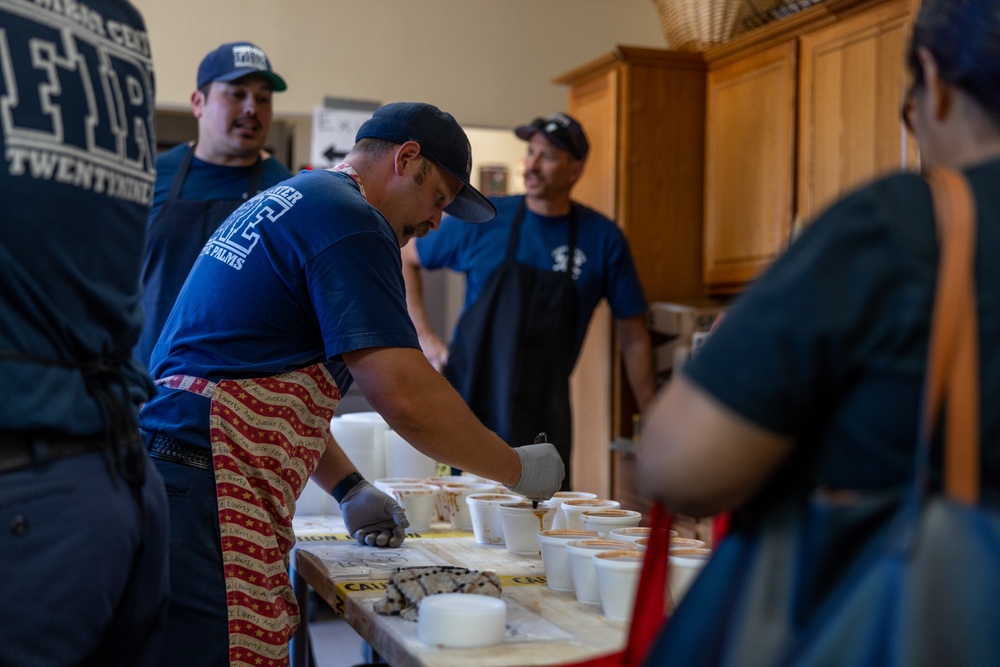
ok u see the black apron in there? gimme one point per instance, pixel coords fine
(175, 238)
(513, 349)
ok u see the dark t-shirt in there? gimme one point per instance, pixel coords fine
(829, 346)
(296, 276)
(209, 182)
(77, 141)
(602, 264)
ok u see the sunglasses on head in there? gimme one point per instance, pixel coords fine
(559, 128)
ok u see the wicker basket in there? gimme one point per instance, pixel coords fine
(697, 25)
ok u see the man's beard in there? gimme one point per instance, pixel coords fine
(418, 231)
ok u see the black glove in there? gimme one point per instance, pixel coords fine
(372, 517)
(542, 471)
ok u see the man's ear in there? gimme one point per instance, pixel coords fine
(406, 155)
(197, 103)
(938, 93)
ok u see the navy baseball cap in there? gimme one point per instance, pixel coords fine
(234, 60)
(561, 130)
(442, 140)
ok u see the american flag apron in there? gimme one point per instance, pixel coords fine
(267, 437)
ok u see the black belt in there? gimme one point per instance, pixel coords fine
(165, 448)
(21, 450)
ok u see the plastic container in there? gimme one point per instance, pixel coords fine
(461, 620)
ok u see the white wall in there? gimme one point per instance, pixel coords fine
(488, 62)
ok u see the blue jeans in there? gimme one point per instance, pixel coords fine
(83, 567)
(198, 621)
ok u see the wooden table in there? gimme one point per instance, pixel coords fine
(544, 627)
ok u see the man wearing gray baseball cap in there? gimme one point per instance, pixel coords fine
(296, 296)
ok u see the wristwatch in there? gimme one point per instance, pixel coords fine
(345, 485)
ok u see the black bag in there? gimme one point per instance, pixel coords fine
(905, 578)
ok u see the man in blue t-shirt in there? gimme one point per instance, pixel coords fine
(199, 184)
(297, 295)
(533, 279)
(83, 567)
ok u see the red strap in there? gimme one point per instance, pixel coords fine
(650, 611)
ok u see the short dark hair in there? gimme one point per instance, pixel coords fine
(964, 37)
(374, 147)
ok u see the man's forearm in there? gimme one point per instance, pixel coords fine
(637, 353)
(427, 412)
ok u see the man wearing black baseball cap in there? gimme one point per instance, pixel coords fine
(533, 278)
(442, 141)
(297, 295)
(198, 184)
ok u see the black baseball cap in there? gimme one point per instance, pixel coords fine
(237, 59)
(561, 130)
(442, 140)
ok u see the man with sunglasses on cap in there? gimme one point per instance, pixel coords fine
(198, 184)
(297, 295)
(533, 279)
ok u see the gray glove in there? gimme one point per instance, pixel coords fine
(372, 517)
(542, 471)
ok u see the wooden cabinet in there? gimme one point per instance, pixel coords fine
(749, 159)
(798, 113)
(709, 162)
(853, 77)
(643, 111)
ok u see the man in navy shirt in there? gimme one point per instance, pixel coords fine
(295, 297)
(199, 184)
(533, 279)
(83, 578)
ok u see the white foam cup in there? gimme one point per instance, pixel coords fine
(630, 535)
(487, 528)
(554, 556)
(573, 507)
(559, 497)
(417, 500)
(522, 522)
(617, 581)
(603, 520)
(453, 497)
(581, 566)
(685, 566)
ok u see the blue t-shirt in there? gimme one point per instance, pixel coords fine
(829, 346)
(209, 182)
(78, 147)
(298, 275)
(602, 267)
(209, 194)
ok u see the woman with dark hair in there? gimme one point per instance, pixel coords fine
(813, 383)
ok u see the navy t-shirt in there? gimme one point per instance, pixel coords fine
(602, 267)
(298, 275)
(78, 148)
(830, 344)
(209, 182)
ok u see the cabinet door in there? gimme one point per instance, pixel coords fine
(749, 154)
(852, 78)
(595, 104)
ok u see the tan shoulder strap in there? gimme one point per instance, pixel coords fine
(953, 363)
